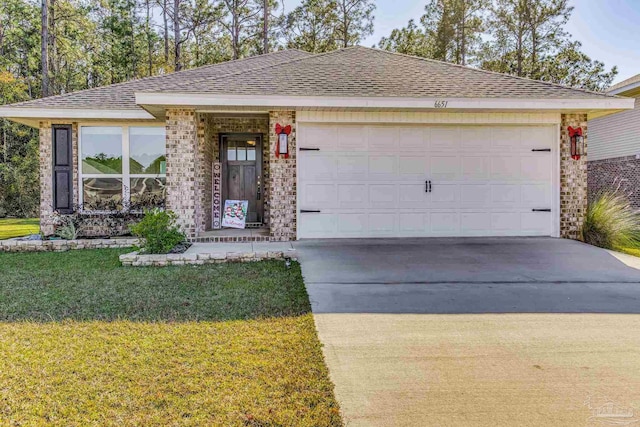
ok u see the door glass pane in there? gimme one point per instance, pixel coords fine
(147, 150)
(242, 154)
(102, 194)
(251, 153)
(101, 149)
(231, 150)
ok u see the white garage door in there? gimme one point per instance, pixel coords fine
(398, 181)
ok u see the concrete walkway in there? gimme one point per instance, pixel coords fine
(213, 248)
(475, 332)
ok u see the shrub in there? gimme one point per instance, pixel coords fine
(611, 222)
(159, 231)
(67, 229)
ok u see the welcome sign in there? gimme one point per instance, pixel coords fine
(235, 213)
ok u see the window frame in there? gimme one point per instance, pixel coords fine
(125, 176)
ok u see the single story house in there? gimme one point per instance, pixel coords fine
(379, 144)
(614, 147)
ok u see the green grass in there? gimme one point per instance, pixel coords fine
(17, 227)
(84, 341)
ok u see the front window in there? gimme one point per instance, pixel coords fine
(122, 166)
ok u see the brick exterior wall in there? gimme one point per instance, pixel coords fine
(184, 195)
(220, 124)
(283, 203)
(620, 174)
(193, 144)
(46, 173)
(573, 180)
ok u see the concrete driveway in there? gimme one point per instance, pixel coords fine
(467, 275)
(478, 332)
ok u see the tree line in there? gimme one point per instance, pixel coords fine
(49, 47)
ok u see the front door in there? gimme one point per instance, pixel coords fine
(242, 171)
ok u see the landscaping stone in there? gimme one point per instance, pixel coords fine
(18, 245)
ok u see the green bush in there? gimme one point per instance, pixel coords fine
(159, 230)
(611, 222)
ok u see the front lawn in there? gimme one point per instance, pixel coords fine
(84, 341)
(18, 227)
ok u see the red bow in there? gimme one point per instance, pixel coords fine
(574, 131)
(280, 129)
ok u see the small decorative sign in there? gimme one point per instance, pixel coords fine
(235, 213)
(217, 195)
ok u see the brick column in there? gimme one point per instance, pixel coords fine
(46, 179)
(182, 167)
(282, 182)
(573, 180)
(46, 173)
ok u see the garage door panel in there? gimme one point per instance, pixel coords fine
(382, 195)
(352, 196)
(444, 195)
(353, 166)
(323, 137)
(318, 225)
(383, 139)
(315, 195)
(352, 223)
(475, 223)
(505, 139)
(416, 223)
(475, 167)
(506, 222)
(383, 166)
(413, 165)
(475, 139)
(445, 223)
(445, 139)
(413, 139)
(412, 193)
(536, 138)
(352, 138)
(505, 194)
(384, 223)
(485, 181)
(536, 168)
(536, 196)
(506, 168)
(474, 195)
(318, 167)
(444, 167)
(536, 223)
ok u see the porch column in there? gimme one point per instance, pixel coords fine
(282, 176)
(573, 180)
(182, 166)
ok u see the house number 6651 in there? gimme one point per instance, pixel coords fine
(440, 104)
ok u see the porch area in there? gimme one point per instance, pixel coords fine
(218, 156)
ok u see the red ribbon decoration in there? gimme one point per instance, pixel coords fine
(573, 132)
(280, 130)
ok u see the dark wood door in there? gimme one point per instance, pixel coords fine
(242, 171)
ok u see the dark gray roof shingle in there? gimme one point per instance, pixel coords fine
(121, 96)
(367, 72)
(356, 71)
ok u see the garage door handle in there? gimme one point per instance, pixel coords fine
(309, 149)
(427, 186)
(541, 210)
(309, 211)
(542, 149)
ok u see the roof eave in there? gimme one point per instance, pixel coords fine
(626, 89)
(25, 114)
(150, 99)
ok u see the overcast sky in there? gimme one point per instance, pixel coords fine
(608, 29)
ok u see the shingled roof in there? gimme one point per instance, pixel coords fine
(121, 96)
(351, 72)
(368, 72)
